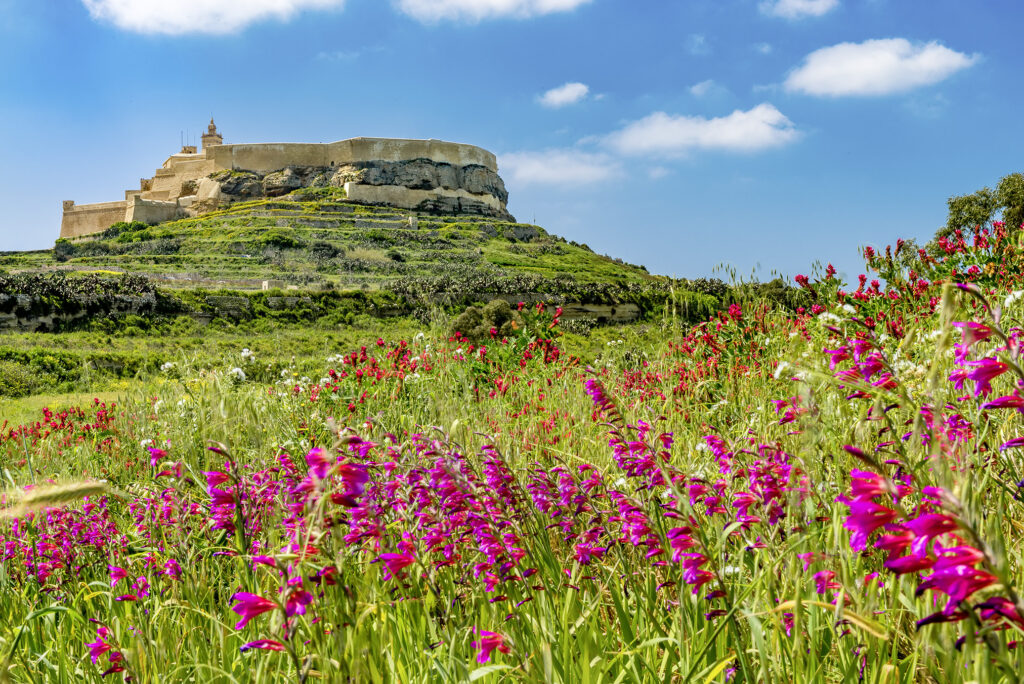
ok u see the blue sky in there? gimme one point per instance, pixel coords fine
(758, 134)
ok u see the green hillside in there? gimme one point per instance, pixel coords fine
(315, 239)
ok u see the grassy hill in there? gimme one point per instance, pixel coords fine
(314, 239)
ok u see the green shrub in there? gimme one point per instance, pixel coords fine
(280, 239)
(17, 380)
(476, 323)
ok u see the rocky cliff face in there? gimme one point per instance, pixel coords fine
(464, 182)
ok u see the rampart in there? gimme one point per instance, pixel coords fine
(425, 175)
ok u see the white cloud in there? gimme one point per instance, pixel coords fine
(697, 45)
(476, 10)
(703, 88)
(658, 172)
(875, 67)
(176, 17)
(567, 167)
(662, 134)
(797, 9)
(763, 48)
(564, 95)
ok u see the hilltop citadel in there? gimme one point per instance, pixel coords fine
(429, 176)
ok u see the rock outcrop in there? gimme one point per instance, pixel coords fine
(471, 189)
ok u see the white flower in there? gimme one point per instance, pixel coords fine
(157, 405)
(1012, 298)
(781, 369)
(829, 317)
(167, 366)
(238, 374)
(145, 442)
(848, 309)
(248, 355)
(420, 336)
(412, 377)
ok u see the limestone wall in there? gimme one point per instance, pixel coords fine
(151, 211)
(90, 218)
(176, 172)
(265, 157)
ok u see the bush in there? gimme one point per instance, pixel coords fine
(477, 324)
(280, 239)
(17, 380)
(123, 228)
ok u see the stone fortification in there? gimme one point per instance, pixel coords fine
(421, 175)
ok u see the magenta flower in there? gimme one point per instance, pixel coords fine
(100, 646)
(319, 462)
(116, 574)
(958, 582)
(865, 517)
(172, 569)
(865, 485)
(298, 598)
(1014, 401)
(265, 644)
(972, 333)
(215, 477)
(394, 563)
(220, 497)
(250, 606)
(598, 395)
(985, 371)
(912, 563)
(489, 642)
(354, 478)
(156, 455)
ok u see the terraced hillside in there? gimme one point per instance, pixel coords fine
(314, 239)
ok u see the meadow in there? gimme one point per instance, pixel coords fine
(828, 492)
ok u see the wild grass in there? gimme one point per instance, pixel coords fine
(652, 504)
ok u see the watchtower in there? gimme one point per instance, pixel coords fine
(212, 137)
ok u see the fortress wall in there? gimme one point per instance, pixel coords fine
(167, 182)
(151, 211)
(265, 157)
(407, 198)
(391, 150)
(90, 218)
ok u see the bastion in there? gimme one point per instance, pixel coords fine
(429, 176)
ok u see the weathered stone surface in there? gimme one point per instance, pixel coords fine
(456, 186)
(481, 180)
(281, 182)
(245, 185)
(521, 233)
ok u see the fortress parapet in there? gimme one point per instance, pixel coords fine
(419, 175)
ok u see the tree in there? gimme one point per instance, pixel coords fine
(977, 209)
